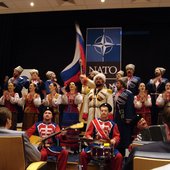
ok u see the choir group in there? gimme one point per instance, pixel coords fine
(44, 107)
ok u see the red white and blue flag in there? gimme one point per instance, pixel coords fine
(78, 66)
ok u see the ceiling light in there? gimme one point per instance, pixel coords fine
(102, 1)
(31, 4)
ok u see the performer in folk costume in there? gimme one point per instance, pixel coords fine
(156, 86)
(18, 80)
(51, 147)
(119, 74)
(162, 100)
(51, 78)
(53, 100)
(10, 100)
(87, 85)
(40, 86)
(142, 103)
(140, 125)
(102, 130)
(96, 97)
(124, 114)
(133, 81)
(30, 103)
(71, 99)
(88, 82)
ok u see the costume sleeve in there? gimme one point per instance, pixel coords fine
(88, 82)
(37, 101)
(160, 101)
(57, 129)
(56, 100)
(78, 99)
(64, 99)
(89, 132)
(116, 134)
(14, 99)
(149, 86)
(86, 103)
(2, 100)
(110, 101)
(130, 112)
(31, 130)
(21, 101)
(45, 101)
(148, 102)
(137, 103)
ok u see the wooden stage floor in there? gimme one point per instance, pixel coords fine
(72, 163)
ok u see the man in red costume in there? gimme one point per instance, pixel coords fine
(51, 148)
(103, 129)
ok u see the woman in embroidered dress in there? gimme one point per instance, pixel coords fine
(71, 99)
(30, 102)
(142, 103)
(162, 100)
(53, 100)
(10, 99)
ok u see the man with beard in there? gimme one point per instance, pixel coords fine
(51, 78)
(133, 81)
(156, 86)
(44, 129)
(87, 84)
(124, 114)
(95, 98)
(18, 80)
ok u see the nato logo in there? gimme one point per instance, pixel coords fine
(103, 44)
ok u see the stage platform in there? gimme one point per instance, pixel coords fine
(72, 163)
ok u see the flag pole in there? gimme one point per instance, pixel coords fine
(81, 69)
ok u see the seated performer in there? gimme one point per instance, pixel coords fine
(102, 129)
(51, 147)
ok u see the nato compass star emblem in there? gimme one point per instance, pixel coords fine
(103, 45)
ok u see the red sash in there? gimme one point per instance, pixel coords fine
(99, 129)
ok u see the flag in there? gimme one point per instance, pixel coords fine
(78, 65)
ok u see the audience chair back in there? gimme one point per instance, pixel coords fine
(158, 132)
(12, 152)
(150, 160)
(154, 133)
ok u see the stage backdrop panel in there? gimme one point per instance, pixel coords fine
(104, 51)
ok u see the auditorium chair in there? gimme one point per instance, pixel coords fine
(149, 160)
(12, 156)
(152, 134)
